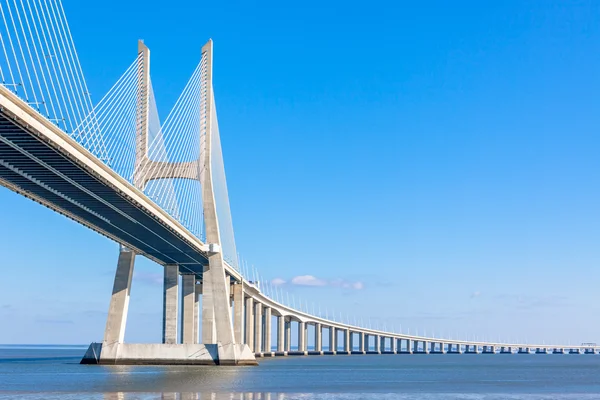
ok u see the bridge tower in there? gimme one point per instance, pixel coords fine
(217, 340)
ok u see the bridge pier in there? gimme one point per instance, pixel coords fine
(258, 319)
(268, 351)
(361, 342)
(541, 350)
(189, 312)
(523, 350)
(558, 351)
(454, 348)
(332, 341)
(574, 351)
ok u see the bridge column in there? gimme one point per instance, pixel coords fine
(361, 342)
(250, 323)
(198, 289)
(332, 340)
(318, 338)
(280, 334)
(238, 312)
(378, 344)
(189, 320)
(267, 332)
(170, 304)
(302, 337)
(347, 341)
(288, 335)
(408, 347)
(209, 334)
(119, 302)
(258, 324)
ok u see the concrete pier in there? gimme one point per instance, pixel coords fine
(454, 348)
(361, 342)
(523, 350)
(575, 351)
(238, 312)
(558, 351)
(280, 335)
(347, 349)
(189, 320)
(119, 301)
(318, 339)
(332, 341)
(267, 350)
(302, 338)
(541, 350)
(288, 336)
(258, 325)
(170, 304)
(250, 323)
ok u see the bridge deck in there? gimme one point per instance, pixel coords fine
(38, 168)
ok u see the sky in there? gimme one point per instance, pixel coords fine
(426, 166)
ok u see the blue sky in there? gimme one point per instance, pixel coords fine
(440, 158)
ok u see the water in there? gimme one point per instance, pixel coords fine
(51, 372)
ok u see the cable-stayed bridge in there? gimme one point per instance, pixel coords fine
(158, 188)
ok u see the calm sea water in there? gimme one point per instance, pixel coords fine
(50, 372)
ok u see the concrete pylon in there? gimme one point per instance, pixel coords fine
(219, 343)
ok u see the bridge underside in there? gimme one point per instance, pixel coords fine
(37, 169)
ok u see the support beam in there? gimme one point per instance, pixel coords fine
(188, 320)
(119, 302)
(170, 304)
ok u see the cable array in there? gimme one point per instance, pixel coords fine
(172, 169)
(39, 62)
(114, 117)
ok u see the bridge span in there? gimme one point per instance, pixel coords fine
(158, 189)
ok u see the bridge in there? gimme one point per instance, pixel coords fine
(159, 190)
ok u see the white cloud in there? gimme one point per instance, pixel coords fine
(277, 282)
(308, 280)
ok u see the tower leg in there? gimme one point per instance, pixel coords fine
(119, 301)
